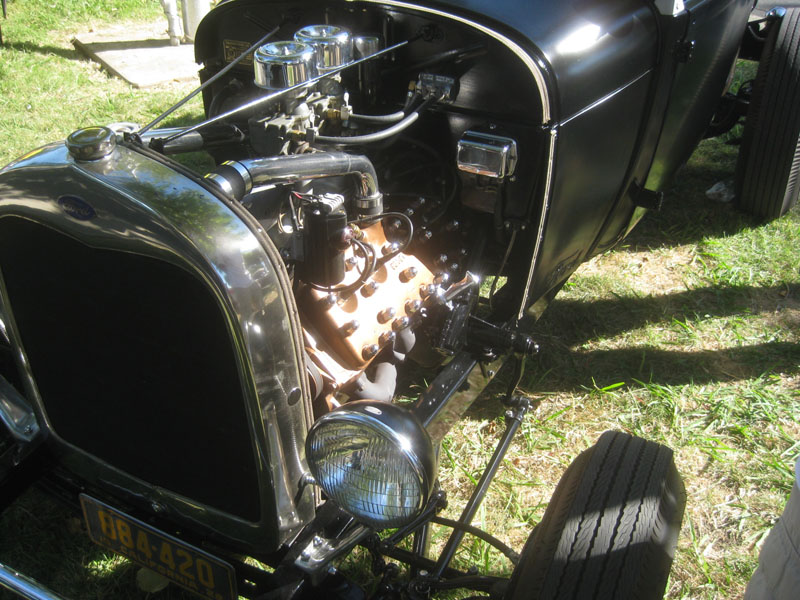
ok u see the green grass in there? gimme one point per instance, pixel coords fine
(686, 334)
(48, 89)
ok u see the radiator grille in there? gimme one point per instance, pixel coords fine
(134, 364)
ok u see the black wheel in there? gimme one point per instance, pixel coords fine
(610, 529)
(768, 169)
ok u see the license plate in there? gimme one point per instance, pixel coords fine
(181, 563)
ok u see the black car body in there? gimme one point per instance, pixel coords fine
(208, 362)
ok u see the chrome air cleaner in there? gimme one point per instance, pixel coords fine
(280, 65)
(333, 45)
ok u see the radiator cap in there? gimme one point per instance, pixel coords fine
(91, 143)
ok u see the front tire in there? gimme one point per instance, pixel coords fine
(768, 168)
(610, 529)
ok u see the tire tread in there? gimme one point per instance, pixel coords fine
(611, 526)
(768, 169)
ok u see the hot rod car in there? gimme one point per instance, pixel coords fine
(209, 364)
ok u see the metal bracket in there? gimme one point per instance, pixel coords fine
(499, 340)
(684, 51)
(318, 554)
(452, 392)
(331, 534)
(646, 198)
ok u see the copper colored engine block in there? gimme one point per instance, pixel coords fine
(351, 328)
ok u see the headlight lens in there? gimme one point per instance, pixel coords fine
(375, 460)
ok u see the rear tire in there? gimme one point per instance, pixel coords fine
(610, 529)
(768, 168)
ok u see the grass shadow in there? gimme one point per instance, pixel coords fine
(45, 50)
(570, 322)
(576, 353)
(687, 215)
(47, 541)
(581, 370)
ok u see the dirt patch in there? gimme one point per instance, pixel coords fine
(648, 271)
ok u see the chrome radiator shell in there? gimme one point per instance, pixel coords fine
(134, 204)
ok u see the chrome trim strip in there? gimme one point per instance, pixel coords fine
(551, 164)
(507, 42)
(24, 586)
(16, 413)
(540, 232)
(22, 428)
(608, 96)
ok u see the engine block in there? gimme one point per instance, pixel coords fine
(356, 325)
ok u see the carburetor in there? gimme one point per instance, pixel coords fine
(315, 50)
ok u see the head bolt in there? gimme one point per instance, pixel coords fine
(441, 259)
(386, 314)
(369, 351)
(329, 300)
(413, 306)
(401, 323)
(342, 298)
(369, 288)
(390, 248)
(408, 274)
(426, 290)
(387, 337)
(350, 263)
(442, 279)
(349, 329)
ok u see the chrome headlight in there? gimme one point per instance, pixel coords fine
(375, 460)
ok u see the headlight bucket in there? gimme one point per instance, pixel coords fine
(375, 460)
